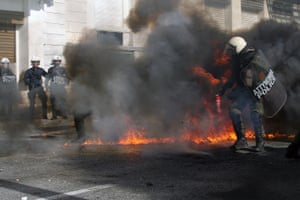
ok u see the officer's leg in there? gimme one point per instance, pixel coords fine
(53, 106)
(9, 109)
(2, 107)
(43, 99)
(63, 108)
(256, 109)
(31, 96)
(79, 125)
(2, 102)
(235, 113)
(10, 104)
(61, 102)
(2, 111)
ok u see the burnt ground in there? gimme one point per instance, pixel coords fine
(37, 166)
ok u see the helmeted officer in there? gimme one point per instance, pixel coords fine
(58, 78)
(8, 88)
(243, 56)
(33, 79)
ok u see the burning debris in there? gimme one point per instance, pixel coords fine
(169, 91)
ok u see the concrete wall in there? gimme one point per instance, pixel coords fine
(229, 15)
(50, 27)
(76, 18)
(111, 16)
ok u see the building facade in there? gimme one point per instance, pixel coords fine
(39, 28)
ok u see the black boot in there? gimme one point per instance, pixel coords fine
(240, 144)
(239, 130)
(260, 146)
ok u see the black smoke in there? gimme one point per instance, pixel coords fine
(146, 12)
(158, 90)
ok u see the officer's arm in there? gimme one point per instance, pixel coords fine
(44, 73)
(26, 78)
(227, 85)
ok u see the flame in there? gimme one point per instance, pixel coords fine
(212, 139)
(201, 72)
(220, 58)
(212, 130)
(133, 136)
(272, 136)
(190, 135)
(209, 128)
(97, 141)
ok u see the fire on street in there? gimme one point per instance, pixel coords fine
(153, 171)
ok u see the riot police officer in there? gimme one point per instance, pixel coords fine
(57, 76)
(33, 79)
(8, 87)
(240, 81)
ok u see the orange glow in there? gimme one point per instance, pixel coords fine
(133, 136)
(44, 135)
(207, 129)
(209, 126)
(66, 145)
(214, 138)
(212, 131)
(220, 58)
(273, 136)
(200, 71)
(97, 141)
(191, 135)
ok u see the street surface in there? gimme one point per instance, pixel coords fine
(36, 165)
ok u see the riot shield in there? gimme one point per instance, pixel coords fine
(261, 80)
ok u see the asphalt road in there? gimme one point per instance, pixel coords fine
(33, 167)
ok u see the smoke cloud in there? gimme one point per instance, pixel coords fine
(146, 12)
(158, 90)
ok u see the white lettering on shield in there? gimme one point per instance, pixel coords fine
(263, 88)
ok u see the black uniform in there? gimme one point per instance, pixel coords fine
(79, 118)
(8, 91)
(33, 79)
(58, 79)
(81, 109)
(241, 96)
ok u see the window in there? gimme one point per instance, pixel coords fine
(107, 36)
(8, 42)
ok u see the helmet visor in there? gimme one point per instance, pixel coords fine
(229, 50)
